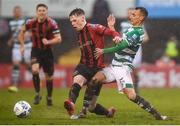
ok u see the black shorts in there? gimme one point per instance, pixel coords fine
(85, 71)
(44, 58)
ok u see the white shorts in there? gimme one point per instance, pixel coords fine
(17, 56)
(120, 74)
(138, 58)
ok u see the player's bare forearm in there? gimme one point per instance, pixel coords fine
(57, 39)
(10, 41)
(21, 35)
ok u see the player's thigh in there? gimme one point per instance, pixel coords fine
(108, 74)
(48, 66)
(123, 77)
(16, 55)
(99, 77)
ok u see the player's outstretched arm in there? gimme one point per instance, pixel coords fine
(120, 46)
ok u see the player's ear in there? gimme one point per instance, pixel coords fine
(142, 18)
(83, 17)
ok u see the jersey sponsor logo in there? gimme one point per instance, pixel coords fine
(93, 25)
(86, 44)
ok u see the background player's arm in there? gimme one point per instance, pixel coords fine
(21, 38)
(21, 35)
(10, 41)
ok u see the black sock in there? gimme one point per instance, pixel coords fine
(146, 106)
(100, 110)
(98, 89)
(74, 92)
(90, 91)
(36, 82)
(136, 80)
(49, 86)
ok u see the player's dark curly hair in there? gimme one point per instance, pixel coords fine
(77, 11)
(143, 11)
(41, 5)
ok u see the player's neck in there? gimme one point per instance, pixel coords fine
(41, 20)
(84, 24)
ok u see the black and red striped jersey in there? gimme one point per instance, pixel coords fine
(45, 29)
(91, 37)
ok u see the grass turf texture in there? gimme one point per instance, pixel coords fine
(165, 100)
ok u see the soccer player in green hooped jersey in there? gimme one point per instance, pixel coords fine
(121, 67)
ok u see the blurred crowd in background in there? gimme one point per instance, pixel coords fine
(162, 49)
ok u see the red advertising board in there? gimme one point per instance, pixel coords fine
(149, 76)
(153, 76)
(62, 76)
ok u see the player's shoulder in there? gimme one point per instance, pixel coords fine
(51, 20)
(18, 22)
(30, 20)
(94, 26)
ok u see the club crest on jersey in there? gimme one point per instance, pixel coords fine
(95, 25)
(134, 36)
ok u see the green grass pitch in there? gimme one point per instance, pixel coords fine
(167, 101)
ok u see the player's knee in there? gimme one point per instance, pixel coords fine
(35, 70)
(95, 80)
(130, 94)
(48, 77)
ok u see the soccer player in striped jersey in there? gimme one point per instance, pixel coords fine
(45, 33)
(120, 68)
(17, 57)
(90, 36)
(124, 26)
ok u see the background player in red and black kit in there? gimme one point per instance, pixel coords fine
(90, 36)
(45, 32)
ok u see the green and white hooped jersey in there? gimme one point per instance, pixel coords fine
(134, 37)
